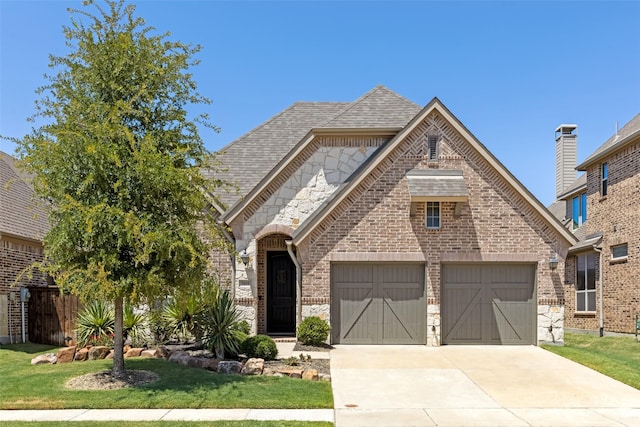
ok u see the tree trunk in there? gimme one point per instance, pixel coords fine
(118, 342)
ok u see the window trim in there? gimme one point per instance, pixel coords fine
(604, 179)
(622, 257)
(584, 293)
(437, 216)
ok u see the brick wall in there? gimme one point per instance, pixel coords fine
(617, 216)
(376, 218)
(15, 256)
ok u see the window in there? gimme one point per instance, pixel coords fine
(619, 251)
(433, 215)
(604, 184)
(579, 210)
(432, 147)
(586, 282)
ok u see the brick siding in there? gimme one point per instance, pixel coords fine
(617, 216)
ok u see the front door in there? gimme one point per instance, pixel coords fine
(281, 293)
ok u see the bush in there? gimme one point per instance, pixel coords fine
(95, 324)
(218, 323)
(261, 346)
(244, 327)
(313, 331)
(134, 326)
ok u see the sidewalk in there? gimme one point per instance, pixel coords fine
(168, 415)
(285, 349)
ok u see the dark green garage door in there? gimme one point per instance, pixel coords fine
(488, 304)
(377, 303)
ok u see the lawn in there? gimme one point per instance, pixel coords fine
(616, 357)
(25, 386)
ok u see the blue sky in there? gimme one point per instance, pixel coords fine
(510, 71)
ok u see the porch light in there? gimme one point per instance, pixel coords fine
(244, 256)
(553, 262)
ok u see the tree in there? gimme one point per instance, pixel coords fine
(119, 159)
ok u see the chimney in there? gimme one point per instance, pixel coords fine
(566, 157)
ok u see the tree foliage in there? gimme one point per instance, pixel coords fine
(119, 158)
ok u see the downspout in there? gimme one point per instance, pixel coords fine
(24, 338)
(595, 248)
(298, 281)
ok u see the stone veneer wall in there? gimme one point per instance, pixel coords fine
(617, 216)
(376, 218)
(15, 256)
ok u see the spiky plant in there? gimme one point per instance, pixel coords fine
(95, 323)
(219, 323)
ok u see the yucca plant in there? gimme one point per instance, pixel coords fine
(95, 324)
(219, 323)
(180, 315)
(134, 325)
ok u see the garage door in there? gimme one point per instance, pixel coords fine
(488, 304)
(377, 303)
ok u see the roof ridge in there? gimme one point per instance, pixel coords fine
(354, 103)
(273, 118)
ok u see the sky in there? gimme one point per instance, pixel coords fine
(510, 71)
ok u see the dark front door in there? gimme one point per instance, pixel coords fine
(281, 293)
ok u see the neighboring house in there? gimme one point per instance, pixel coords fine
(22, 227)
(393, 223)
(602, 287)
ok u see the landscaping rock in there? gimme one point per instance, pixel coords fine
(253, 366)
(43, 359)
(81, 355)
(163, 352)
(98, 352)
(229, 367)
(324, 377)
(150, 354)
(310, 374)
(210, 364)
(180, 357)
(65, 355)
(133, 352)
(292, 373)
(110, 355)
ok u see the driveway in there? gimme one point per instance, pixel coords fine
(474, 386)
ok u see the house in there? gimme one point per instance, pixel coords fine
(393, 223)
(602, 208)
(22, 227)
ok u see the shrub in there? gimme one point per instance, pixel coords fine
(218, 323)
(313, 331)
(261, 346)
(179, 317)
(244, 327)
(95, 324)
(134, 326)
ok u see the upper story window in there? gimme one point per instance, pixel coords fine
(586, 282)
(432, 147)
(604, 183)
(619, 252)
(433, 215)
(579, 210)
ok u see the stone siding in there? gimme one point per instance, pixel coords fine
(617, 216)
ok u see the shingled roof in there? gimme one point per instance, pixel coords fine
(250, 158)
(20, 216)
(623, 136)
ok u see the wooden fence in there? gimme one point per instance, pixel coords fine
(52, 316)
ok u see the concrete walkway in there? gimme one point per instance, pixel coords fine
(474, 386)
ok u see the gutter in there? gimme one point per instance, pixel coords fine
(298, 281)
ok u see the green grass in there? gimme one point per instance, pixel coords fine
(616, 357)
(26, 386)
(248, 423)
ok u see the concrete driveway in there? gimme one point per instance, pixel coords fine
(474, 386)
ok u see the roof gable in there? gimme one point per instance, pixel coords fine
(381, 111)
(344, 192)
(19, 215)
